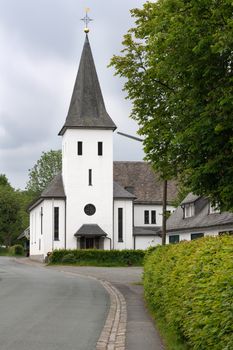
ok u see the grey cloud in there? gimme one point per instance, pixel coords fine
(38, 64)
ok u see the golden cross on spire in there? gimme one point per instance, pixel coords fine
(86, 20)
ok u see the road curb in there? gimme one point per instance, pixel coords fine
(114, 332)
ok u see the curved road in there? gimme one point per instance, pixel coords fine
(42, 309)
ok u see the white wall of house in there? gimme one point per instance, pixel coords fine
(146, 242)
(75, 171)
(127, 223)
(42, 227)
(186, 235)
(139, 210)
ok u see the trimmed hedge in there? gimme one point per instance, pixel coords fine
(98, 257)
(190, 287)
(12, 251)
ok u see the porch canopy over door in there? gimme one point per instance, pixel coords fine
(90, 236)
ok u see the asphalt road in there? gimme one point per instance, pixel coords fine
(42, 309)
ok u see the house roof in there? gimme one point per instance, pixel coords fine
(190, 198)
(201, 220)
(90, 230)
(145, 182)
(146, 231)
(120, 192)
(25, 234)
(87, 108)
(55, 188)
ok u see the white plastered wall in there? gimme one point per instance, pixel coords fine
(186, 236)
(139, 214)
(75, 179)
(42, 238)
(127, 206)
(146, 242)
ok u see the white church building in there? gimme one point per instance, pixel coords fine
(95, 202)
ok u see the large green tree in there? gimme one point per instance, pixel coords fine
(10, 215)
(49, 164)
(178, 65)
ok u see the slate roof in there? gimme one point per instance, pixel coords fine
(90, 230)
(146, 231)
(120, 192)
(201, 220)
(87, 108)
(147, 186)
(55, 189)
(190, 198)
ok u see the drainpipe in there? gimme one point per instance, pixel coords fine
(110, 242)
(65, 223)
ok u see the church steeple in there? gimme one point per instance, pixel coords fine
(87, 109)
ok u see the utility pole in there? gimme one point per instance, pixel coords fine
(164, 214)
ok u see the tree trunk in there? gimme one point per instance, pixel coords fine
(164, 212)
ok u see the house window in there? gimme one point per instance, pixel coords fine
(90, 177)
(174, 239)
(120, 224)
(189, 210)
(41, 220)
(229, 233)
(196, 235)
(146, 216)
(80, 148)
(153, 216)
(56, 223)
(100, 148)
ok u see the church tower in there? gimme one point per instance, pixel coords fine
(87, 161)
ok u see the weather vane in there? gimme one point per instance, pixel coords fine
(86, 20)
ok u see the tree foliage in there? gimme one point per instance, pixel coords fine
(10, 219)
(178, 65)
(49, 164)
(13, 212)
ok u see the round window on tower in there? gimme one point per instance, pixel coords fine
(89, 209)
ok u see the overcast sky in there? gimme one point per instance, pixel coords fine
(40, 44)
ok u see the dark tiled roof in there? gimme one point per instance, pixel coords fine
(87, 109)
(90, 230)
(146, 231)
(55, 189)
(190, 198)
(120, 192)
(146, 183)
(202, 219)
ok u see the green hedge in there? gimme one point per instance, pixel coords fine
(12, 251)
(98, 257)
(190, 287)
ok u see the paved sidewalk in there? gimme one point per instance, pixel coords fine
(141, 333)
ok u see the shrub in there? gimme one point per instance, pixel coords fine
(100, 257)
(68, 258)
(17, 250)
(190, 286)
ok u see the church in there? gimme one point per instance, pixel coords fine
(96, 202)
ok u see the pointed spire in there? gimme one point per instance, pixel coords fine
(87, 109)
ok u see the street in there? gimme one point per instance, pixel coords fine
(43, 309)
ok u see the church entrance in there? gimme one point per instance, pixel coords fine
(91, 243)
